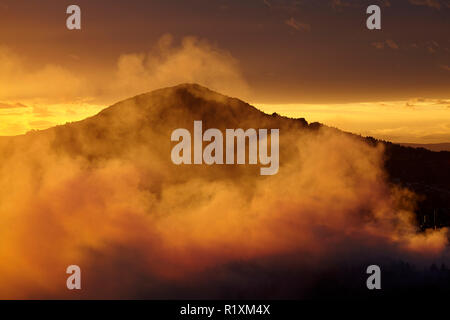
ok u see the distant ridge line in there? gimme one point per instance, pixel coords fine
(429, 146)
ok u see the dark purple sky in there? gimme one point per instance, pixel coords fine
(288, 51)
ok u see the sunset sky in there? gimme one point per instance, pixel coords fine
(304, 58)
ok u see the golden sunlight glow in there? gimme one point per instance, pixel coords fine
(412, 121)
(25, 117)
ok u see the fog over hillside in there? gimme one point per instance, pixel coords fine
(104, 194)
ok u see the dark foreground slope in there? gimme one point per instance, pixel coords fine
(425, 172)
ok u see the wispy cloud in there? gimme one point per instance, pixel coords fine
(378, 45)
(340, 3)
(392, 44)
(337, 4)
(424, 102)
(299, 26)
(431, 3)
(385, 44)
(4, 105)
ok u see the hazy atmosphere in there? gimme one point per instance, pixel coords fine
(123, 149)
(312, 59)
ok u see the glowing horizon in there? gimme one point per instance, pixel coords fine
(406, 121)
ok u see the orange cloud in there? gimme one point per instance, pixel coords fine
(47, 83)
(297, 25)
(104, 194)
(194, 60)
(388, 43)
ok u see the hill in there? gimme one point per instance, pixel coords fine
(104, 194)
(148, 120)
